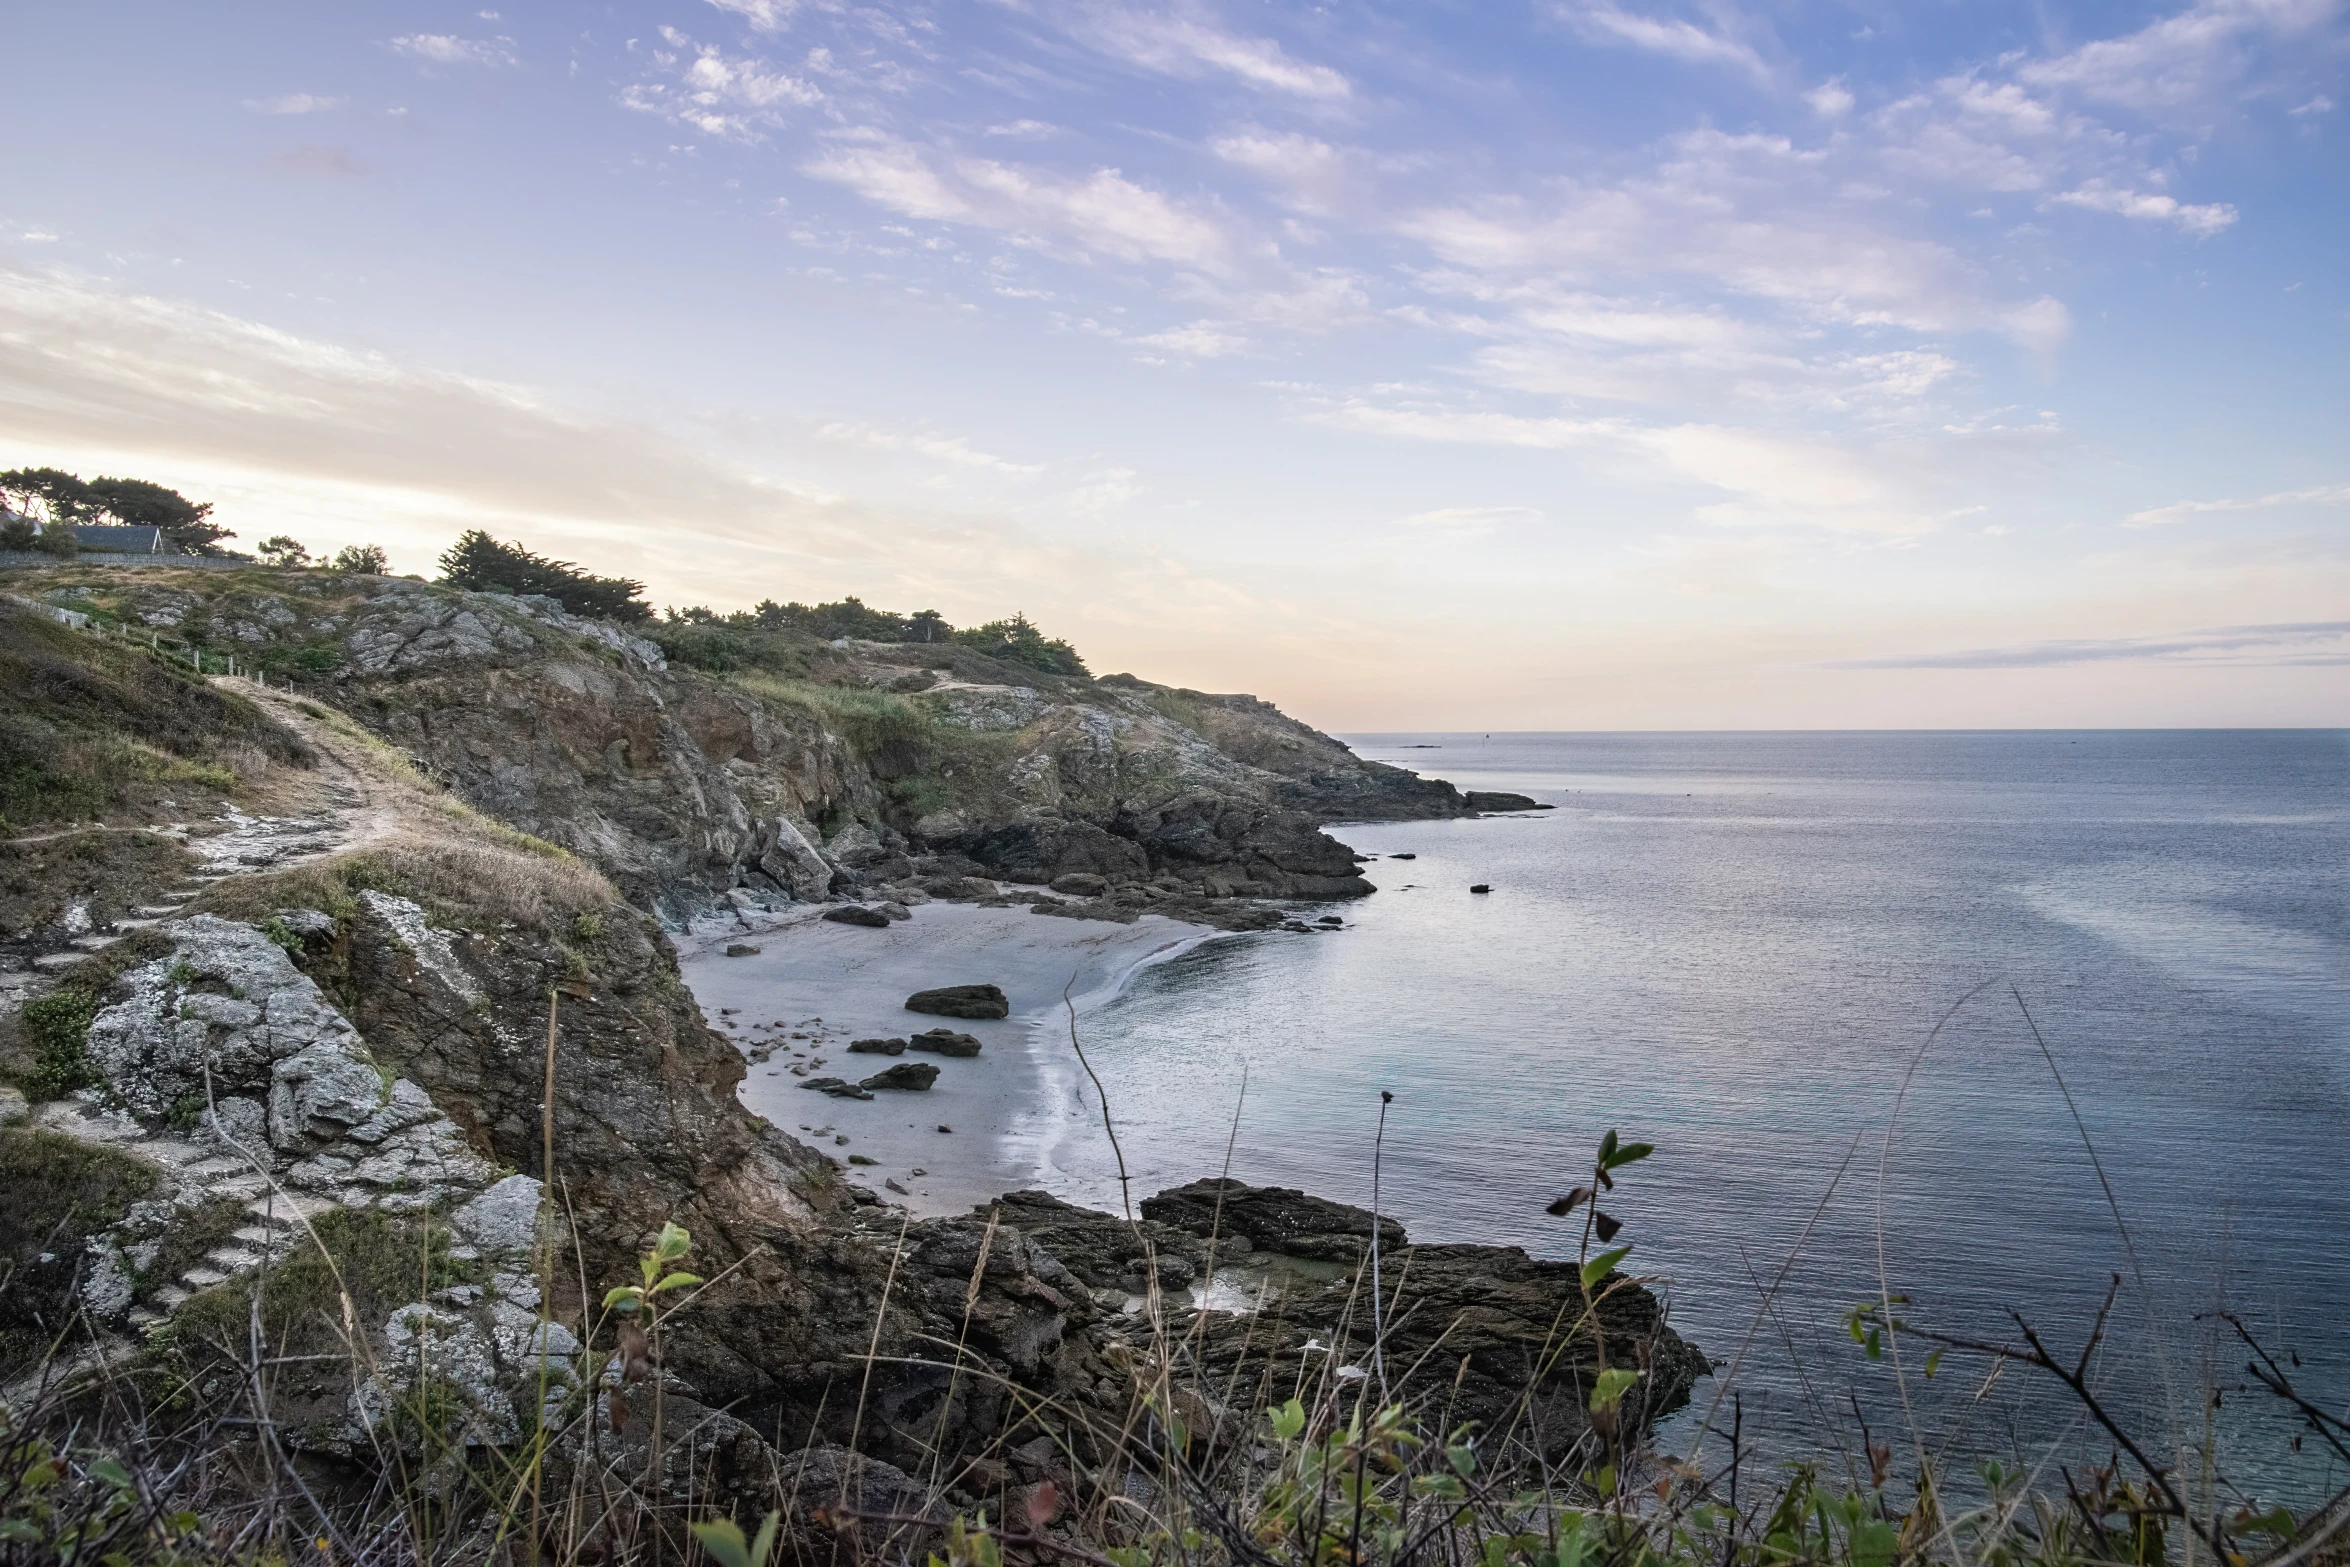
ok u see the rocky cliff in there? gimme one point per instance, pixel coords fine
(863, 764)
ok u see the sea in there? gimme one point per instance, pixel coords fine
(1986, 1024)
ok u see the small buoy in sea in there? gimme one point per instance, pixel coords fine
(1481, 887)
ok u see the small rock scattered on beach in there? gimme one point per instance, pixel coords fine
(945, 1128)
(877, 1047)
(1481, 887)
(971, 1001)
(741, 949)
(857, 914)
(839, 1088)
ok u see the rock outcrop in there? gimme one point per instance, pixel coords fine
(682, 784)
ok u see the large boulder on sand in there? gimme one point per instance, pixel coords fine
(943, 1042)
(857, 914)
(914, 1075)
(975, 1001)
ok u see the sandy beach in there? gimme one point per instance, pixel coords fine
(815, 985)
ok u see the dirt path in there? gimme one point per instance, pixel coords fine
(359, 793)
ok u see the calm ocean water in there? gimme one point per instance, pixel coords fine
(1735, 946)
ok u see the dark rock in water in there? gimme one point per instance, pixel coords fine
(973, 1001)
(1330, 919)
(1494, 800)
(877, 1047)
(1080, 884)
(1481, 887)
(1272, 1218)
(1299, 927)
(1502, 1326)
(741, 949)
(894, 911)
(1403, 856)
(914, 1075)
(942, 1042)
(839, 1088)
(942, 1126)
(857, 914)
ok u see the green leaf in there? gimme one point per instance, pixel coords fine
(1872, 1543)
(1875, 1344)
(626, 1297)
(1630, 1153)
(1609, 1390)
(1607, 1148)
(1602, 1265)
(1289, 1421)
(1933, 1363)
(723, 1539)
(677, 1281)
(111, 1473)
(1463, 1460)
(764, 1545)
(674, 1242)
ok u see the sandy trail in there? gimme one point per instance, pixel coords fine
(1010, 1107)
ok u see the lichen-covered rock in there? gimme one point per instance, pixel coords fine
(504, 1220)
(228, 1014)
(227, 1034)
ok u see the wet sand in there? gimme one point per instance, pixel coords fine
(828, 984)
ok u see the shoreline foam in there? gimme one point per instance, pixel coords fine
(1011, 1106)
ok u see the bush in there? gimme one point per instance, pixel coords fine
(487, 565)
(58, 1028)
(1018, 641)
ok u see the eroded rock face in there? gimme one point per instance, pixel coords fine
(681, 787)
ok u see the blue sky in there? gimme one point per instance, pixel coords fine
(1581, 363)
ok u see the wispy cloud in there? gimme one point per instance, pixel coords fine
(941, 448)
(1102, 211)
(768, 16)
(1186, 42)
(718, 94)
(2190, 60)
(448, 49)
(2098, 196)
(2302, 643)
(1199, 340)
(2180, 511)
(293, 103)
(1607, 23)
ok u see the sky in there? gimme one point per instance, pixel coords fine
(1527, 364)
